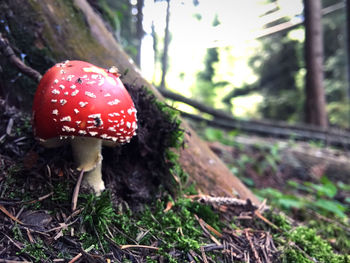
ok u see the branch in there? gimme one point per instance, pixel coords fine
(329, 136)
(177, 97)
(8, 52)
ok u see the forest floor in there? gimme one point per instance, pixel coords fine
(140, 221)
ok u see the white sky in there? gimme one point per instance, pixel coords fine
(240, 21)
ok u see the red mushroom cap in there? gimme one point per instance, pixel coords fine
(76, 98)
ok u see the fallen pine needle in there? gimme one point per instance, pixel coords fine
(257, 213)
(80, 254)
(137, 246)
(4, 210)
(255, 253)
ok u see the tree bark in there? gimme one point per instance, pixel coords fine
(94, 43)
(315, 106)
(166, 47)
(139, 30)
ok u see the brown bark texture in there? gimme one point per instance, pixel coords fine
(315, 105)
(59, 33)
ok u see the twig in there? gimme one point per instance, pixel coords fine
(223, 200)
(257, 213)
(255, 253)
(4, 210)
(12, 261)
(8, 52)
(81, 254)
(138, 246)
(204, 256)
(76, 191)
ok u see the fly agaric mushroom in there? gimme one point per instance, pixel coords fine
(87, 106)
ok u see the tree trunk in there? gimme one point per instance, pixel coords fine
(139, 30)
(75, 31)
(315, 106)
(166, 47)
(348, 50)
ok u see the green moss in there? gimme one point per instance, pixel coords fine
(334, 233)
(311, 244)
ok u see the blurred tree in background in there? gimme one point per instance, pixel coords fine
(278, 63)
(206, 87)
(122, 19)
(280, 67)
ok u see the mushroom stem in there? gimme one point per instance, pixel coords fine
(87, 156)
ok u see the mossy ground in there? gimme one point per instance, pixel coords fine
(128, 224)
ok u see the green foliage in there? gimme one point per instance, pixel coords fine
(175, 229)
(36, 250)
(304, 241)
(319, 197)
(97, 215)
(278, 66)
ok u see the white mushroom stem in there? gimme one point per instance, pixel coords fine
(87, 156)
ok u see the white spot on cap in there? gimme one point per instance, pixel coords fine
(84, 77)
(63, 101)
(113, 102)
(82, 132)
(134, 125)
(66, 93)
(82, 104)
(104, 136)
(93, 133)
(55, 112)
(130, 111)
(128, 124)
(122, 111)
(76, 111)
(62, 87)
(55, 81)
(112, 129)
(54, 101)
(94, 76)
(91, 82)
(55, 91)
(90, 94)
(107, 95)
(68, 129)
(67, 118)
(75, 92)
(73, 86)
(78, 122)
(62, 71)
(70, 77)
(93, 116)
(101, 82)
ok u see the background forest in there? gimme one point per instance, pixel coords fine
(263, 181)
(260, 77)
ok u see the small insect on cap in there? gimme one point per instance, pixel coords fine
(76, 98)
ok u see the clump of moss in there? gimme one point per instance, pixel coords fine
(301, 244)
(309, 245)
